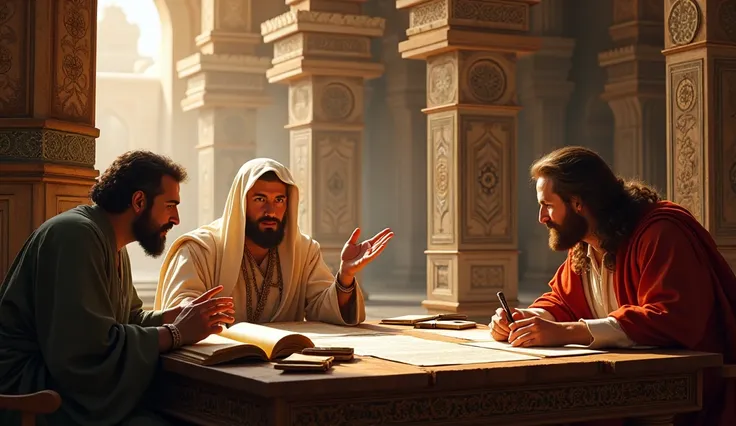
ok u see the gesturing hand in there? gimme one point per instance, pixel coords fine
(203, 316)
(355, 256)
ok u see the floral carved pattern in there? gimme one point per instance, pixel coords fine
(486, 80)
(683, 22)
(337, 101)
(74, 58)
(300, 101)
(492, 14)
(12, 68)
(336, 182)
(442, 140)
(685, 95)
(47, 145)
(687, 153)
(428, 13)
(300, 164)
(488, 218)
(485, 277)
(442, 82)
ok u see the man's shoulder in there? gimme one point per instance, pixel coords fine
(73, 223)
(667, 219)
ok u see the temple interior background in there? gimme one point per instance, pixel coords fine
(419, 115)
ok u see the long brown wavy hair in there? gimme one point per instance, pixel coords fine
(615, 203)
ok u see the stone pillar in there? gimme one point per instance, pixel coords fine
(47, 110)
(226, 83)
(544, 92)
(471, 50)
(322, 51)
(700, 52)
(635, 90)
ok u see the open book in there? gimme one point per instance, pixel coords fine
(244, 340)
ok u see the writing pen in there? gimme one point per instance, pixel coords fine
(505, 306)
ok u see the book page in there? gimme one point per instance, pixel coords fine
(420, 352)
(263, 337)
(543, 352)
(314, 329)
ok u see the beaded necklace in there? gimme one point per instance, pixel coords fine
(273, 264)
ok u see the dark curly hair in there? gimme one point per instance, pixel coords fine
(616, 204)
(132, 172)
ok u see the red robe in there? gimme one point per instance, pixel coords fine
(674, 289)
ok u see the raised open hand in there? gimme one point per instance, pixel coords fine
(203, 316)
(355, 256)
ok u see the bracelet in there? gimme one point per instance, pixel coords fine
(344, 289)
(175, 335)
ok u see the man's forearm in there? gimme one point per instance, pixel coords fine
(578, 333)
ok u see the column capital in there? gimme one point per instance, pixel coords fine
(224, 81)
(308, 42)
(437, 26)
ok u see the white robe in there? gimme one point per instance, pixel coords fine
(212, 254)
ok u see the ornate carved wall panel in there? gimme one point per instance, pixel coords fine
(336, 183)
(74, 54)
(488, 181)
(442, 188)
(14, 45)
(687, 142)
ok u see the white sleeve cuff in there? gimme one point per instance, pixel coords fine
(606, 333)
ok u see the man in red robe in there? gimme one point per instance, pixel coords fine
(640, 271)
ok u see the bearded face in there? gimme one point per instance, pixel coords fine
(151, 235)
(571, 230)
(266, 218)
(266, 231)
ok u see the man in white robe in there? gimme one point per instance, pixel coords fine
(258, 239)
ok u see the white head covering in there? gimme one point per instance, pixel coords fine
(226, 236)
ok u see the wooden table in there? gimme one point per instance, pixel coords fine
(372, 391)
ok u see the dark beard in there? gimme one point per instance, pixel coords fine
(269, 238)
(571, 231)
(148, 234)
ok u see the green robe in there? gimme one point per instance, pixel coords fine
(69, 322)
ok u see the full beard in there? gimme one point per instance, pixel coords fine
(268, 238)
(149, 234)
(571, 231)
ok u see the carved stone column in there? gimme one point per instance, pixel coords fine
(226, 83)
(700, 50)
(47, 110)
(322, 51)
(636, 90)
(471, 50)
(544, 92)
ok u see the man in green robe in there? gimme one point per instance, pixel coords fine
(70, 318)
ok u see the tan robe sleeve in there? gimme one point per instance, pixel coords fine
(321, 296)
(186, 277)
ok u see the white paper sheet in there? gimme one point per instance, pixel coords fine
(420, 352)
(570, 350)
(315, 330)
